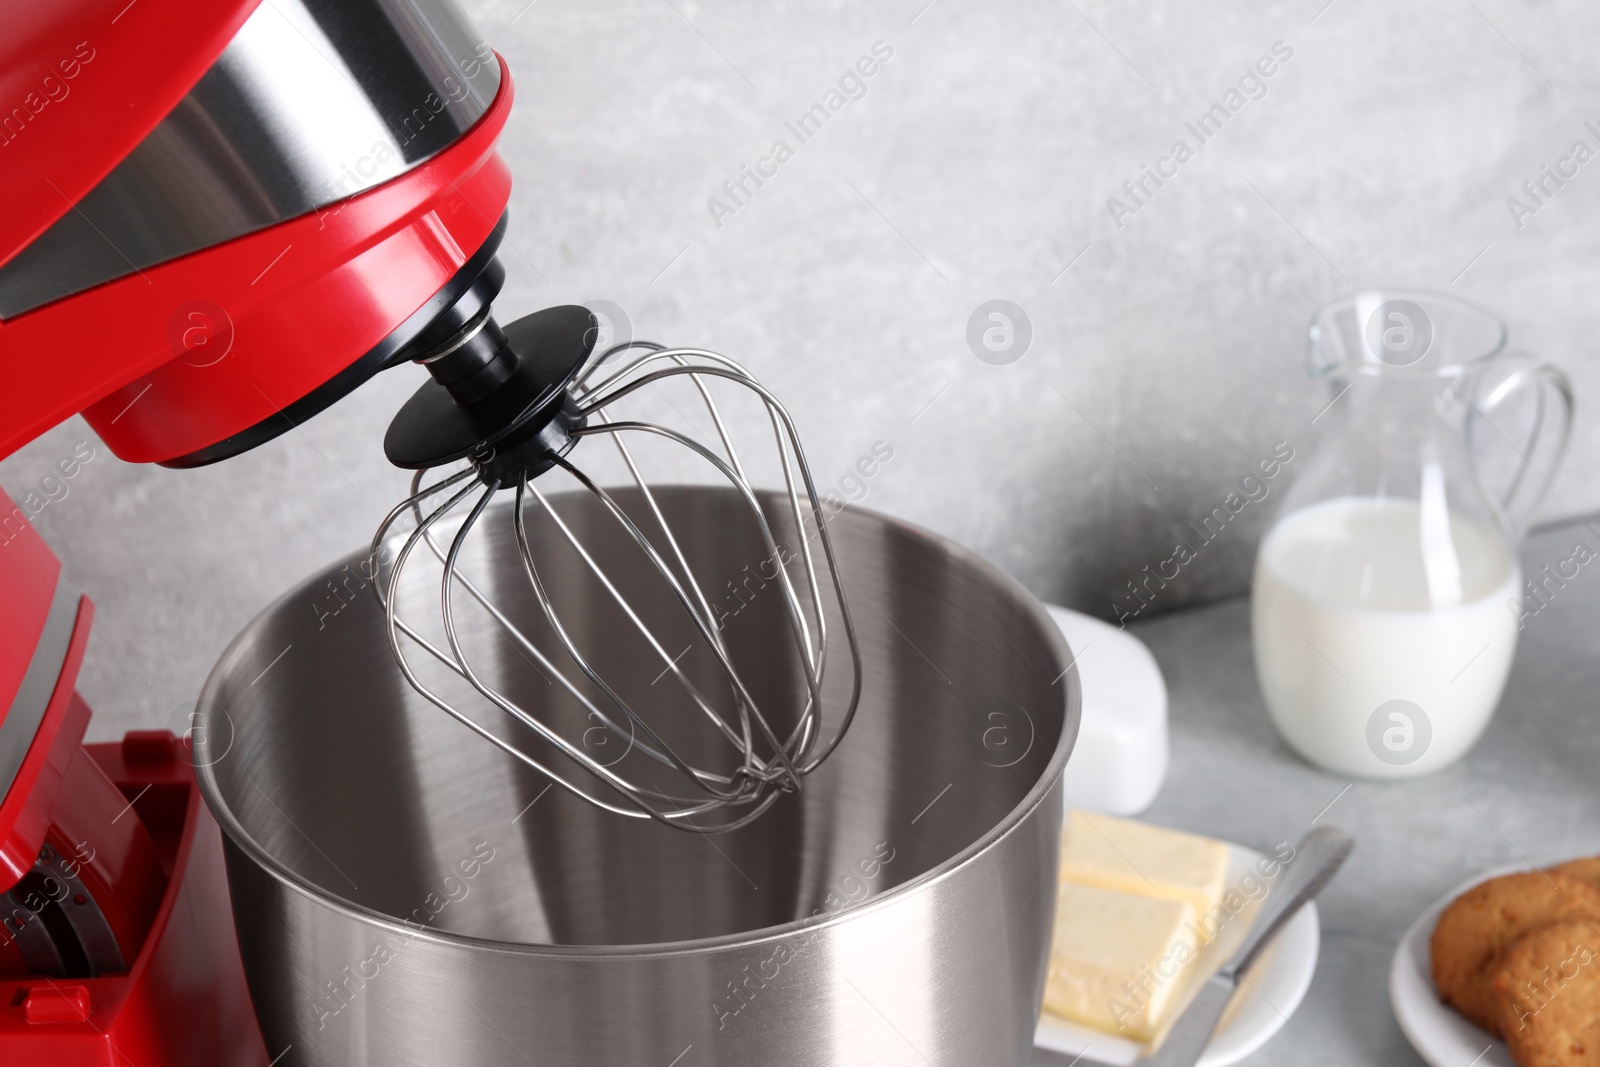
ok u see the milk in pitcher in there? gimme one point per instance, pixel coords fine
(1382, 632)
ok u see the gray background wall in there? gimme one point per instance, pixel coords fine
(1166, 355)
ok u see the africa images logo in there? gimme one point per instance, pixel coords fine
(1399, 332)
(999, 332)
(1399, 732)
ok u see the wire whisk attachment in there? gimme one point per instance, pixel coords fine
(512, 405)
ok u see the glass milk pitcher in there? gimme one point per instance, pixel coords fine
(1385, 598)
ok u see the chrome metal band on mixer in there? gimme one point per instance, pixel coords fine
(378, 87)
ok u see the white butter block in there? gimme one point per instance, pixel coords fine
(1117, 959)
(1120, 760)
(1134, 857)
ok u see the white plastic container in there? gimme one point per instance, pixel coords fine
(1120, 760)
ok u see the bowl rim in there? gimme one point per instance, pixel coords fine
(1048, 782)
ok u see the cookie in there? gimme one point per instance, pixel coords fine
(1584, 870)
(1476, 928)
(1548, 990)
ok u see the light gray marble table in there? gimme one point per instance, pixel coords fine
(1528, 792)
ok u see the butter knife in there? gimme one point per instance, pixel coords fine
(1316, 858)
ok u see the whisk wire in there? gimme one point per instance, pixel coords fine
(396, 626)
(700, 625)
(461, 667)
(545, 667)
(627, 608)
(791, 601)
(553, 617)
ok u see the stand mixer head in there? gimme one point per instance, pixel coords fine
(307, 193)
(513, 404)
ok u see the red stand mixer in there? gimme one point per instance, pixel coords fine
(239, 212)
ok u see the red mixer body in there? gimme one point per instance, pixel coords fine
(219, 218)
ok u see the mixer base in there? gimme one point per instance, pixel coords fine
(183, 1001)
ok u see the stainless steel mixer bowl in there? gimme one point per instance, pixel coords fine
(405, 893)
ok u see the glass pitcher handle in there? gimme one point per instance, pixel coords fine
(1552, 426)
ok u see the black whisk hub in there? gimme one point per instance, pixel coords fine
(500, 397)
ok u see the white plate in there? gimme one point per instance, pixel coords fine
(1439, 1035)
(1276, 984)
